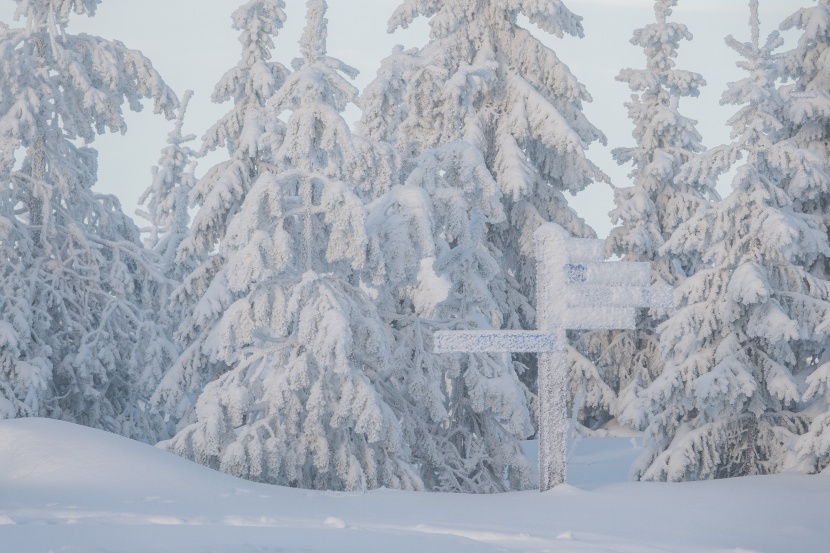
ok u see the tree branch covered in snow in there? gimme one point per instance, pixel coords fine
(728, 401)
(81, 341)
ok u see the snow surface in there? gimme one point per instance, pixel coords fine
(70, 489)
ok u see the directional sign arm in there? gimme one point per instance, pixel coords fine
(608, 273)
(592, 295)
(516, 341)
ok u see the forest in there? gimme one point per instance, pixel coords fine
(271, 315)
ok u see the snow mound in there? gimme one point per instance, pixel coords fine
(69, 489)
(44, 454)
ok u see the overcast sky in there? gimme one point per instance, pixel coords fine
(192, 44)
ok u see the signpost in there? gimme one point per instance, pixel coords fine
(576, 289)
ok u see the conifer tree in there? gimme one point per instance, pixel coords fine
(251, 137)
(306, 401)
(614, 367)
(727, 401)
(463, 411)
(79, 339)
(486, 84)
(806, 116)
(166, 199)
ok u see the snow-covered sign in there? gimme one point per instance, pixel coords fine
(577, 289)
(515, 341)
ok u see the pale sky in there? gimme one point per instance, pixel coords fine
(192, 44)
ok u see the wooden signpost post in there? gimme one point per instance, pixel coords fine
(576, 289)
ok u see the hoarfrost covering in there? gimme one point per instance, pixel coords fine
(307, 399)
(728, 400)
(612, 368)
(77, 293)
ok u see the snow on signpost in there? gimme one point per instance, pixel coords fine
(576, 289)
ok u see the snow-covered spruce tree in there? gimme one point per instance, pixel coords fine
(486, 83)
(166, 199)
(251, 136)
(614, 367)
(484, 79)
(166, 202)
(304, 402)
(463, 411)
(726, 403)
(78, 341)
(807, 125)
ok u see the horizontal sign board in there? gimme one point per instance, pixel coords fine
(517, 341)
(590, 295)
(609, 273)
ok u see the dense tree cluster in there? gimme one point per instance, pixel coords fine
(284, 333)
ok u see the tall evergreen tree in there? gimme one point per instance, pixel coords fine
(79, 339)
(166, 202)
(614, 367)
(166, 199)
(727, 401)
(485, 84)
(807, 126)
(305, 401)
(251, 137)
(463, 412)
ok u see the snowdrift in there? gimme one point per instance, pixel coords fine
(70, 489)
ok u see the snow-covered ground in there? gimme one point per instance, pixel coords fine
(65, 488)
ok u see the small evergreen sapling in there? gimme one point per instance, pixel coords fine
(166, 199)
